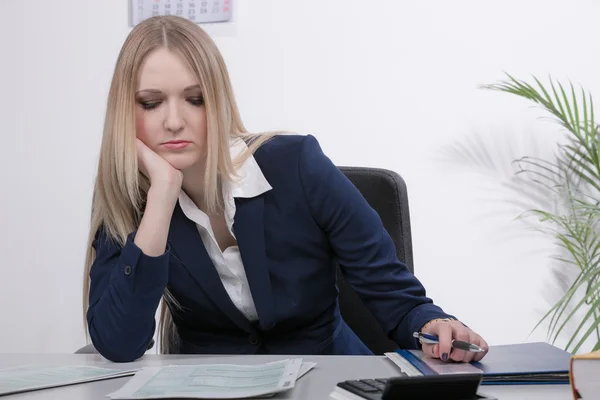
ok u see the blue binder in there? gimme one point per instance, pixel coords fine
(515, 364)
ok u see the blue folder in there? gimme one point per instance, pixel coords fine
(515, 364)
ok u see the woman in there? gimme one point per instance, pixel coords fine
(238, 234)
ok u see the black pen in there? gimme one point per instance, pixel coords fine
(457, 344)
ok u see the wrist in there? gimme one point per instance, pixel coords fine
(428, 323)
(163, 194)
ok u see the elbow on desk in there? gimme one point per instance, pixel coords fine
(120, 353)
(117, 348)
(124, 339)
(119, 357)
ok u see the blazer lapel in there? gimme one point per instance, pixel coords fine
(185, 240)
(249, 231)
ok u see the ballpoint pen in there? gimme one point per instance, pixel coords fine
(457, 344)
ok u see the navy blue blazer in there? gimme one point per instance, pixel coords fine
(290, 239)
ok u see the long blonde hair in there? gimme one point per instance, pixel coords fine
(120, 190)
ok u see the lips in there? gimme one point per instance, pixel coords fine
(176, 144)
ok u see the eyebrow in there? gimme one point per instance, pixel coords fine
(156, 91)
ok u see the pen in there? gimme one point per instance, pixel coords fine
(457, 344)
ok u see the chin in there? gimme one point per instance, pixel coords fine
(182, 161)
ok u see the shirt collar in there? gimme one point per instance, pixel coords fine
(250, 182)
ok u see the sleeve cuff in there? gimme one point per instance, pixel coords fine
(414, 321)
(140, 273)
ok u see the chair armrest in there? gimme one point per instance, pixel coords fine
(89, 349)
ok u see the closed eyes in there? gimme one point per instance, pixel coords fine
(152, 104)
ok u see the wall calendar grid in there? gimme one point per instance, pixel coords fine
(199, 11)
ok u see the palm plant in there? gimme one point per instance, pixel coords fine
(573, 176)
(566, 191)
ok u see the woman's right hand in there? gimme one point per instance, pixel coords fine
(165, 186)
(165, 180)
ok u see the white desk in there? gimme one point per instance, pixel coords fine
(315, 385)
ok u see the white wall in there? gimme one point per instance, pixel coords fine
(385, 83)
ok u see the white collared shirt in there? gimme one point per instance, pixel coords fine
(251, 183)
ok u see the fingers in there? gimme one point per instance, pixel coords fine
(469, 355)
(481, 343)
(457, 354)
(140, 146)
(474, 339)
(142, 155)
(431, 350)
(467, 335)
(444, 332)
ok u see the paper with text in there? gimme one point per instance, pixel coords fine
(211, 381)
(34, 377)
(306, 366)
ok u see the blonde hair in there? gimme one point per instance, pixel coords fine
(120, 189)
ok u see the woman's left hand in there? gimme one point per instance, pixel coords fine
(446, 331)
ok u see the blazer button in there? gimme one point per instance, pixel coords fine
(253, 340)
(127, 270)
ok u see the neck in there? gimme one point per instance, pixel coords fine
(193, 184)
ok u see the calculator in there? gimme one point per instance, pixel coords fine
(403, 387)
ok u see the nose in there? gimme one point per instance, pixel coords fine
(173, 119)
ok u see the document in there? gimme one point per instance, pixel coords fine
(212, 381)
(34, 377)
(522, 363)
(306, 366)
(443, 367)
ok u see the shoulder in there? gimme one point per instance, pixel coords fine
(282, 145)
(287, 150)
(288, 161)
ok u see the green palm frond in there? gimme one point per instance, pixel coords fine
(583, 150)
(573, 178)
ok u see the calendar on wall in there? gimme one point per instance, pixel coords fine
(199, 11)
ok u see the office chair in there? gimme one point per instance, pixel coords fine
(386, 193)
(87, 349)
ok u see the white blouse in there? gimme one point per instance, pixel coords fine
(228, 263)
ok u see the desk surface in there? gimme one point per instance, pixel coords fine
(315, 385)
